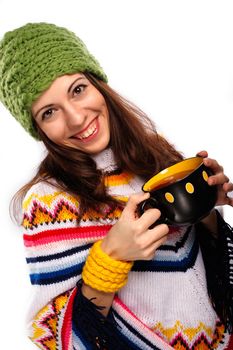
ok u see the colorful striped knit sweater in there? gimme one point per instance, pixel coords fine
(165, 304)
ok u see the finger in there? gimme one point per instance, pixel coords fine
(149, 217)
(133, 202)
(160, 230)
(151, 251)
(213, 164)
(202, 153)
(161, 241)
(228, 187)
(157, 233)
(218, 179)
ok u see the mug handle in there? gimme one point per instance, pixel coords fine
(152, 203)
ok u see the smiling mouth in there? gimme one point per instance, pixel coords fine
(89, 132)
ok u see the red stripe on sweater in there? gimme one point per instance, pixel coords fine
(138, 324)
(230, 344)
(66, 331)
(65, 234)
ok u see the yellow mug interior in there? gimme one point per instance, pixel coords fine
(173, 173)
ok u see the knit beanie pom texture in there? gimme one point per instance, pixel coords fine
(31, 58)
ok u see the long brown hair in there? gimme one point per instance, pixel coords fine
(136, 145)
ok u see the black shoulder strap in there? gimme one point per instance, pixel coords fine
(218, 259)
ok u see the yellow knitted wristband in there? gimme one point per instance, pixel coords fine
(98, 270)
(103, 273)
(106, 261)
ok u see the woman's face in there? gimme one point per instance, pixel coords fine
(73, 112)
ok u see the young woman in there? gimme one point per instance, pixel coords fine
(102, 277)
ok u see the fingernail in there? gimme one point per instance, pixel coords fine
(211, 181)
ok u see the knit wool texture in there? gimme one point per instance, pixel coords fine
(31, 58)
(164, 304)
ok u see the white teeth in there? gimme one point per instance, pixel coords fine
(88, 132)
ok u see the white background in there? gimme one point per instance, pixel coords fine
(174, 59)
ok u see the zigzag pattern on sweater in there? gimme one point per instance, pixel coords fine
(57, 242)
(199, 337)
(60, 208)
(51, 324)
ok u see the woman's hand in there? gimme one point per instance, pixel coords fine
(130, 238)
(219, 179)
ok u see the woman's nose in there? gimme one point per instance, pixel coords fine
(75, 115)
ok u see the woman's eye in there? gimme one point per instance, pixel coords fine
(78, 89)
(47, 114)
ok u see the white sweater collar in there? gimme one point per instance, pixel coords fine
(105, 160)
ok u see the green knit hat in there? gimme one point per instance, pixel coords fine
(31, 58)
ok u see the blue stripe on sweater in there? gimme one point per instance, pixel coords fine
(56, 276)
(131, 329)
(169, 266)
(58, 255)
(87, 345)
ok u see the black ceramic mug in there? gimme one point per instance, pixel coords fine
(181, 192)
